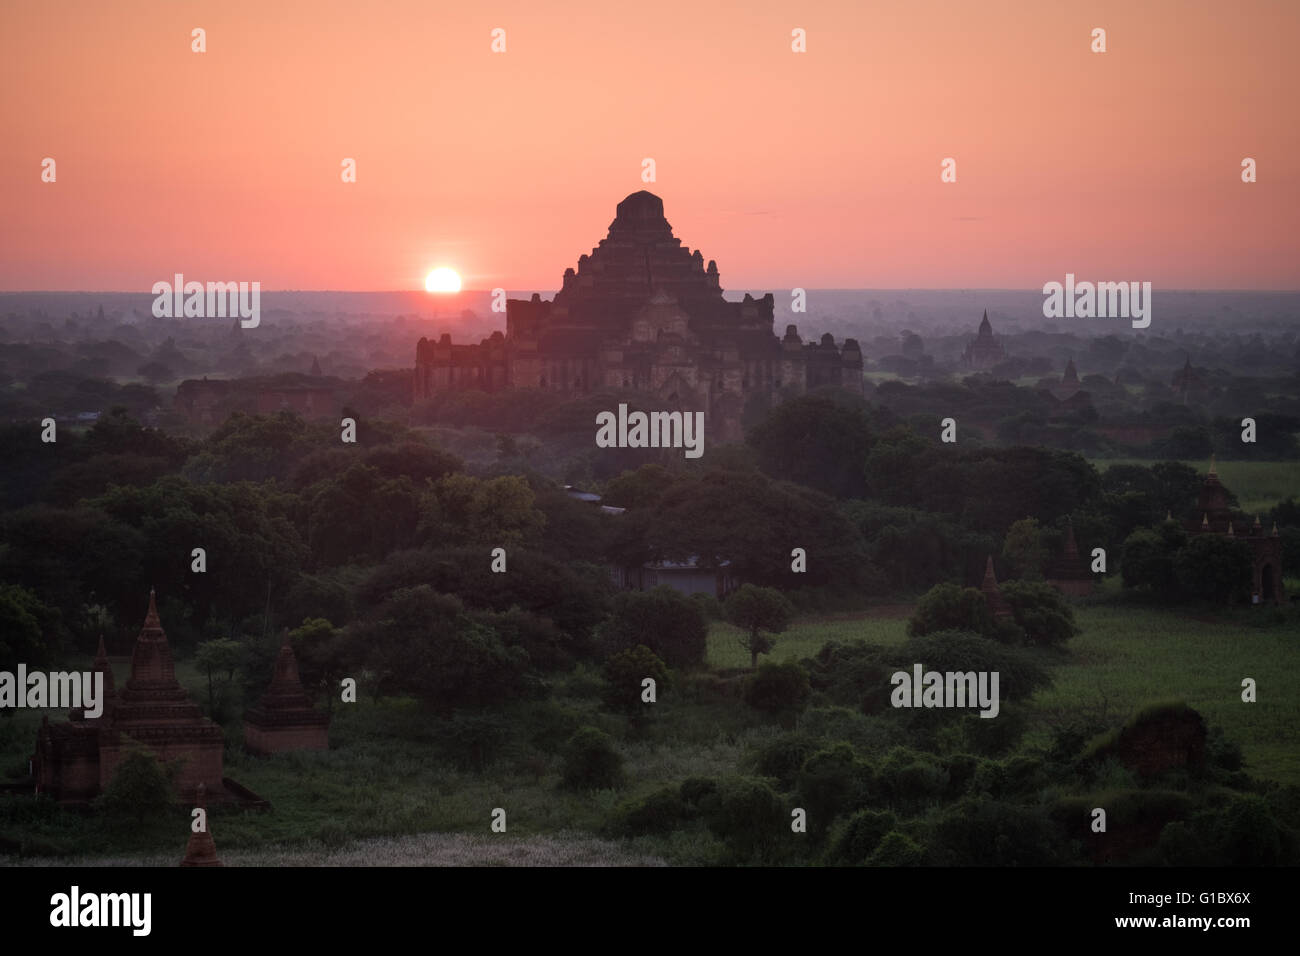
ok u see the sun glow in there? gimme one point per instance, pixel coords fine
(442, 279)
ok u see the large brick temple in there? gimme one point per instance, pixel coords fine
(643, 312)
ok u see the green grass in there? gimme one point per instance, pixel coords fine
(384, 780)
(1129, 657)
(804, 639)
(1258, 485)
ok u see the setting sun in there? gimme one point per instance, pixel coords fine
(442, 279)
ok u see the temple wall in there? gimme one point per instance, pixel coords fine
(273, 740)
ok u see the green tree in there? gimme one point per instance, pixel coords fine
(221, 656)
(625, 671)
(778, 689)
(141, 788)
(1214, 567)
(666, 621)
(1024, 550)
(591, 762)
(1040, 611)
(947, 607)
(760, 613)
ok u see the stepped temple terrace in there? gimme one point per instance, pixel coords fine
(643, 312)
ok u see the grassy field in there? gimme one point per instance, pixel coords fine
(1258, 485)
(1126, 657)
(383, 783)
(806, 636)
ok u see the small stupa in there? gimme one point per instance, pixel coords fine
(201, 850)
(284, 718)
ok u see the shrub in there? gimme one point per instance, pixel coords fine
(860, 836)
(660, 812)
(141, 788)
(783, 757)
(710, 605)
(1040, 611)
(625, 671)
(1018, 674)
(897, 849)
(978, 831)
(591, 762)
(695, 791)
(833, 782)
(908, 777)
(669, 623)
(855, 674)
(780, 689)
(947, 607)
(745, 813)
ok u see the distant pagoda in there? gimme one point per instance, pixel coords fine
(992, 595)
(985, 351)
(1069, 572)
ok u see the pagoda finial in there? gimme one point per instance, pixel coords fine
(1231, 533)
(1205, 521)
(1169, 515)
(1214, 471)
(151, 617)
(1256, 526)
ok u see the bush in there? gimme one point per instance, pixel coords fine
(783, 757)
(947, 607)
(860, 836)
(897, 849)
(780, 689)
(1018, 674)
(1215, 568)
(710, 605)
(695, 791)
(908, 777)
(141, 788)
(833, 782)
(978, 831)
(1040, 611)
(660, 812)
(669, 623)
(855, 674)
(591, 762)
(746, 814)
(625, 671)
(472, 740)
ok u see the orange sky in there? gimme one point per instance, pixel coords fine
(814, 170)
